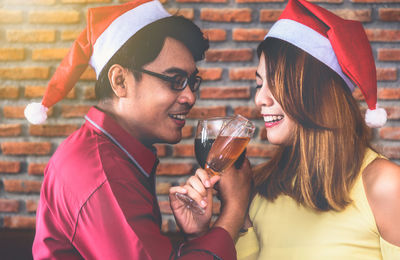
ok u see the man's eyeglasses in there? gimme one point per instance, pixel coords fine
(178, 82)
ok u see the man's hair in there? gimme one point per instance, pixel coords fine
(320, 166)
(145, 46)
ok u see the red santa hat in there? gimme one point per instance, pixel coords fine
(108, 28)
(340, 44)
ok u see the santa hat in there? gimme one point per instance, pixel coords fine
(340, 44)
(108, 28)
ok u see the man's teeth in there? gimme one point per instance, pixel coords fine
(271, 119)
(179, 117)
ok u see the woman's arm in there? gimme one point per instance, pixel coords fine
(382, 187)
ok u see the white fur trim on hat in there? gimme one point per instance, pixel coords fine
(375, 118)
(121, 29)
(310, 41)
(36, 113)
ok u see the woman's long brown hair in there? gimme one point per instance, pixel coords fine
(321, 165)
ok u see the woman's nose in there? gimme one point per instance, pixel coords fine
(264, 97)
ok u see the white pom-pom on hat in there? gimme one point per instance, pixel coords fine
(36, 113)
(376, 118)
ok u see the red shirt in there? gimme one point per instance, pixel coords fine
(98, 201)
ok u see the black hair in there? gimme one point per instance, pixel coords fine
(145, 46)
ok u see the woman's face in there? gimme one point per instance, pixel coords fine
(279, 126)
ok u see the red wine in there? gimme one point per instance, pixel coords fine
(202, 149)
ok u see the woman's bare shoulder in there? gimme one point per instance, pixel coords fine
(382, 187)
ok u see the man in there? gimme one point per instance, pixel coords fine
(98, 196)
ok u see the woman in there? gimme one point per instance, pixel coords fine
(326, 193)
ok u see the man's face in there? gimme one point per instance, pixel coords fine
(152, 111)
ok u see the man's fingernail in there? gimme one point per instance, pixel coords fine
(208, 184)
(203, 203)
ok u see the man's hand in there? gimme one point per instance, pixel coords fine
(199, 188)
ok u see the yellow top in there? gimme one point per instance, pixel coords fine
(285, 230)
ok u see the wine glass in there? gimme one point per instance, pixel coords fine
(206, 132)
(230, 143)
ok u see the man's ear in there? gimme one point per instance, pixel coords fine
(116, 76)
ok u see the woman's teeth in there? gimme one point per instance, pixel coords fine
(271, 119)
(179, 117)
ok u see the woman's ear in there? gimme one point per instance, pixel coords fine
(116, 76)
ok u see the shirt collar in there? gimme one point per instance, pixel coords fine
(143, 157)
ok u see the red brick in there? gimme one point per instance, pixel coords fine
(393, 112)
(375, 1)
(270, 15)
(33, 2)
(52, 130)
(21, 186)
(389, 54)
(162, 188)
(389, 93)
(69, 111)
(70, 35)
(383, 93)
(89, 93)
(188, 13)
(31, 36)
(210, 73)
(248, 112)
(53, 16)
(259, 1)
(12, 54)
(183, 150)
(386, 74)
(215, 35)
(10, 16)
(260, 150)
(225, 93)
(187, 131)
(242, 73)
(9, 205)
(226, 15)
(248, 35)
(381, 35)
(26, 148)
(201, 1)
(204, 112)
(10, 130)
(10, 167)
(161, 150)
(174, 169)
(19, 222)
(165, 208)
(390, 133)
(49, 54)
(389, 14)
(36, 168)
(88, 74)
(24, 73)
(390, 151)
(13, 112)
(9, 92)
(357, 15)
(218, 55)
(31, 206)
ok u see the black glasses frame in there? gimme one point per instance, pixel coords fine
(193, 81)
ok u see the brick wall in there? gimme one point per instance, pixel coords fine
(36, 34)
